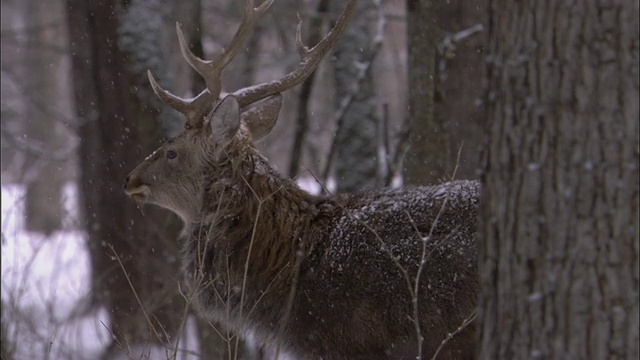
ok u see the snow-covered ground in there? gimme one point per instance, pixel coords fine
(45, 287)
(45, 281)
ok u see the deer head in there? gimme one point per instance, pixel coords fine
(218, 124)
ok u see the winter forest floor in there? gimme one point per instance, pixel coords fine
(45, 289)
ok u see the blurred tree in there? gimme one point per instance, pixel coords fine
(301, 126)
(43, 202)
(112, 45)
(460, 69)
(559, 231)
(356, 143)
(35, 109)
(427, 159)
(445, 80)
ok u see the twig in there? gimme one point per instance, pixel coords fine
(251, 242)
(135, 293)
(117, 342)
(188, 299)
(450, 336)
(424, 256)
(246, 264)
(448, 42)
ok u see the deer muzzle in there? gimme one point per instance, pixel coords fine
(136, 189)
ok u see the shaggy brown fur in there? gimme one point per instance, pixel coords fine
(319, 277)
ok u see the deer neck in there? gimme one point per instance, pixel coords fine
(249, 208)
(246, 186)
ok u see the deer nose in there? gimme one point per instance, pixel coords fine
(126, 181)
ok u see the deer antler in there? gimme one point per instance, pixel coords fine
(309, 60)
(194, 109)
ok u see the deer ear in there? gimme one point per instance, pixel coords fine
(224, 120)
(261, 118)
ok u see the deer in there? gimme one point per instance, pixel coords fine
(381, 274)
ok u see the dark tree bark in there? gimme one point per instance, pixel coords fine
(112, 106)
(460, 76)
(444, 88)
(427, 157)
(44, 99)
(558, 241)
(356, 143)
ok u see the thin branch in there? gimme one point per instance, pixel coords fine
(448, 42)
(291, 297)
(450, 336)
(135, 293)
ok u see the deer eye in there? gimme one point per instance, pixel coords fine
(171, 154)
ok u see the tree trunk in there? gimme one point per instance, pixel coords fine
(356, 145)
(558, 240)
(427, 158)
(301, 126)
(42, 123)
(112, 104)
(460, 76)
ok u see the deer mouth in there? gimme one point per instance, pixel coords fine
(140, 198)
(139, 194)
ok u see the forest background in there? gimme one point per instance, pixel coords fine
(538, 101)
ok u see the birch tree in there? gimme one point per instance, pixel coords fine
(356, 143)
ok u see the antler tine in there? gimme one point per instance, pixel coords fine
(193, 109)
(251, 16)
(211, 69)
(309, 60)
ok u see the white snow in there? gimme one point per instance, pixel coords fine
(44, 283)
(312, 185)
(45, 288)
